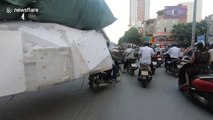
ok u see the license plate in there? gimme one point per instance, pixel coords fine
(182, 63)
(159, 59)
(133, 65)
(143, 77)
(179, 66)
(154, 63)
(145, 73)
(168, 62)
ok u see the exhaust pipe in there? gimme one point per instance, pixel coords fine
(201, 99)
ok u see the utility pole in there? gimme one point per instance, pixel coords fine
(194, 23)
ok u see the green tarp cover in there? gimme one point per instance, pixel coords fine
(21, 3)
(80, 14)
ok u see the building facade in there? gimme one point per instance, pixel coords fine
(190, 8)
(209, 35)
(166, 19)
(139, 11)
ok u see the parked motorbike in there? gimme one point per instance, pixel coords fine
(146, 75)
(104, 79)
(201, 88)
(132, 66)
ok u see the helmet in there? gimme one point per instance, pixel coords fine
(146, 44)
(174, 44)
(200, 45)
(199, 42)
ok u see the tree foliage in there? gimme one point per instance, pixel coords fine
(131, 36)
(182, 32)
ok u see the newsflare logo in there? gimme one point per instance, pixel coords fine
(21, 10)
(9, 10)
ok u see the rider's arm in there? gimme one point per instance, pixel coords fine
(140, 52)
(114, 57)
(192, 59)
(167, 52)
(153, 53)
(210, 59)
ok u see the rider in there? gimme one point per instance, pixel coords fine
(158, 49)
(200, 61)
(115, 65)
(174, 53)
(128, 56)
(146, 53)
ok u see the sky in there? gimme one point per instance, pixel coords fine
(120, 9)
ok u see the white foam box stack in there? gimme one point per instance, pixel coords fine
(38, 55)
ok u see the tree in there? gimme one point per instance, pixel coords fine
(131, 36)
(182, 32)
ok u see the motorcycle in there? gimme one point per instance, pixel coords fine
(104, 79)
(132, 66)
(146, 75)
(201, 88)
(159, 60)
(173, 66)
(184, 60)
(155, 64)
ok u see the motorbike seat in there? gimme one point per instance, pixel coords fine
(174, 60)
(145, 67)
(144, 64)
(205, 76)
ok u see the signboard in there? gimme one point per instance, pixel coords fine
(147, 39)
(175, 12)
(201, 38)
(162, 34)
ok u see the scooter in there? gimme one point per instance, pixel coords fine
(172, 66)
(155, 65)
(201, 88)
(104, 79)
(146, 75)
(132, 66)
(159, 59)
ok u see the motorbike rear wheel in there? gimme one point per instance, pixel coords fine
(132, 72)
(144, 83)
(93, 83)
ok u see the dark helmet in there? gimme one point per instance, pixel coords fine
(200, 45)
(146, 44)
(174, 44)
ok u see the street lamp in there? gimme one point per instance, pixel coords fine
(194, 23)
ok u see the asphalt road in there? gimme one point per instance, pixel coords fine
(126, 100)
